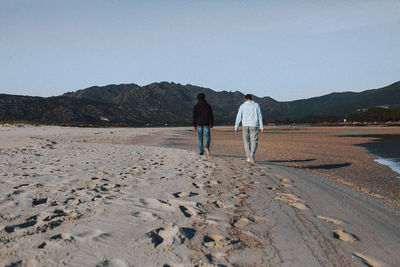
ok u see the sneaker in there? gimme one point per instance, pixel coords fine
(252, 161)
(201, 153)
(248, 160)
(207, 151)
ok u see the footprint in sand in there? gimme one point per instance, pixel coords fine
(44, 221)
(73, 201)
(39, 201)
(29, 222)
(345, 236)
(57, 218)
(242, 187)
(21, 185)
(240, 196)
(240, 221)
(330, 220)
(216, 241)
(166, 236)
(218, 204)
(184, 194)
(286, 180)
(189, 211)
(155, 204)
(292, 200)
(187, 232)
(370, 261)
(62, 236)
(92, 234)
(146, 216)
(112, 263)
(26, 262)
(188, 208)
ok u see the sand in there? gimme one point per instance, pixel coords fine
(125, 197)
(333, 152)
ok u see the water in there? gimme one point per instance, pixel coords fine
(386, 149)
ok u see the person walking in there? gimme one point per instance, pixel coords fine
(203, 120)
(250, 116)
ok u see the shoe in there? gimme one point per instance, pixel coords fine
(207, 151)
(248, 160)
(252, 161)
(201, 153)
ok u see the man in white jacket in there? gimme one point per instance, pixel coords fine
(251, 117)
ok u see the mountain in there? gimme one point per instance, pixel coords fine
(172, 103)
(157, 99)
(66, 111)
(339, 104)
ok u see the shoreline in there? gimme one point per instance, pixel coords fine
(393, 165)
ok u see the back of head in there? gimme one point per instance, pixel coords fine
(248, 97)
(201, 97)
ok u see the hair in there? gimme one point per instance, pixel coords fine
(248, 96)
(201, 96)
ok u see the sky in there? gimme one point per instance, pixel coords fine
(286, 49)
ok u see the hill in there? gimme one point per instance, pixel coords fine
(346, 103)
(172, 103)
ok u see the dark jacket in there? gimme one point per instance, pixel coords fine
(203, 114)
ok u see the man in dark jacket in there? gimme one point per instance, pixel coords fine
(203, 120)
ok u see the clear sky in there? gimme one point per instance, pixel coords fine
(286, 49)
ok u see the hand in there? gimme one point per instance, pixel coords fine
(237, 131)
(262, 131)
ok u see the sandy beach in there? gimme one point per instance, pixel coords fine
(334, 152)
(144, 197)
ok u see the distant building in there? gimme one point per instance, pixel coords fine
(383, 106)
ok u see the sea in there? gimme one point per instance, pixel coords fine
(386, 149)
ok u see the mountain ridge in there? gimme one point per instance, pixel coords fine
(171, 103)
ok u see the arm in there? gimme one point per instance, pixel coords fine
(260, 119)
(211, 117)
(194, 117)
(238, 118)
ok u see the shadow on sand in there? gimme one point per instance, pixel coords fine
(328, 166)
(292, 160)
(311, 167)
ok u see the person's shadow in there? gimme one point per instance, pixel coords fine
(276, 162)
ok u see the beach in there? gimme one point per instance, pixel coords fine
(335, 152)
(145, 197)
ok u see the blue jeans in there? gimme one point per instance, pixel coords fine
(206, 130)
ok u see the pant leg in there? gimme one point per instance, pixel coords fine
(200, 134)
(208, 135)
(253, 140)
(246, 140)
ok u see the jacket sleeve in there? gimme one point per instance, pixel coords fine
(260, 118)
(194, 116)
(211, 117)
(238, 118)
